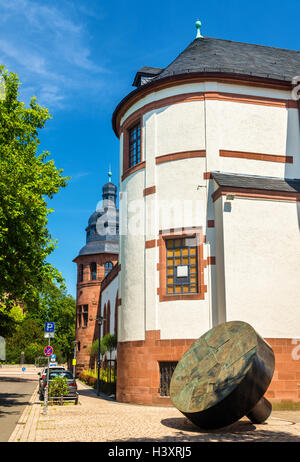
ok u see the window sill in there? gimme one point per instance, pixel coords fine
(170, 298)
(133, 169)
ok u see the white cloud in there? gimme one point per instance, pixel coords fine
(48, 46)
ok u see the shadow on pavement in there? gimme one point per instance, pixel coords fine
(15, 379)
(238, 432)
(8, 400)
(255, 436)
(91, 393)
(184, 424)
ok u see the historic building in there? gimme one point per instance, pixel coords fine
(96, 267)
(209, 212)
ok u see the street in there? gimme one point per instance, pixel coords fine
(15, 392)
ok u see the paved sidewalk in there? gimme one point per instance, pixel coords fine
(102, 419)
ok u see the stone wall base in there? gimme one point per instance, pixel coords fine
(138, 377)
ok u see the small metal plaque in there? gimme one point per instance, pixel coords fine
(49, 335)
(182, 271)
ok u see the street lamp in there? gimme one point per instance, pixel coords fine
(99, 319)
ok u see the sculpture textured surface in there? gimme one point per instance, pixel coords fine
(223, 377)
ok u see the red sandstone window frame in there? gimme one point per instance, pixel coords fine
(128, 125)
(162, 266)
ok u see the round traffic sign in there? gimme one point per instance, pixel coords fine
(48, 350)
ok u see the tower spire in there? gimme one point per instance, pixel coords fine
(109, 174)
(198, 26)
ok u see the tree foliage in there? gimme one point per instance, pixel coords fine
(27, 180)
(58, 387)
(54, 304)
(109, 342)
(27, 333)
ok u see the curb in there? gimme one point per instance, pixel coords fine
(26, 426)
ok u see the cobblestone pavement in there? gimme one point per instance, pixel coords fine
(99, 419)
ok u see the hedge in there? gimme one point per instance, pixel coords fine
(105, 387)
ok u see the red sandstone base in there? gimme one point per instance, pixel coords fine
(138, 369)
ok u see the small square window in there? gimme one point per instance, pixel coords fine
(181, 260)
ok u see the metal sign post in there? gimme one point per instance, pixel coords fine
(49, 333)
(46, 390)
(74, 359)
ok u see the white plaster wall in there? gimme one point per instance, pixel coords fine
(262, 265)
(183, 319)
(132, 244)
(181, 193)
(180, 128)
(210, 125)
(205, 86)
(252, 128)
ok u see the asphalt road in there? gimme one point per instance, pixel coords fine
(15, 393)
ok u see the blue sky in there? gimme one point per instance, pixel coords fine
(80, 57)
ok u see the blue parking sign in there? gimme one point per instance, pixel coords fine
(49, 326)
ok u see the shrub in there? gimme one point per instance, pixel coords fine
(90, 378)
(58, 387)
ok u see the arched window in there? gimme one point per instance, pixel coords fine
(93, 270)
(108, 266)
(108, 318)
(104, 320)
(116, 314)
(80, 273)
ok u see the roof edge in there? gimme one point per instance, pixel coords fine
(139, 92)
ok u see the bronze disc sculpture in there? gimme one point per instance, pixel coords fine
(223, 377)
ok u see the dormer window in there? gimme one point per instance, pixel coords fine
(134, 145)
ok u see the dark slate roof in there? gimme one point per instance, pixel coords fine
(95, 247)
(269, 183)
(216, 55)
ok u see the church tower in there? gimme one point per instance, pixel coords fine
(94, 261)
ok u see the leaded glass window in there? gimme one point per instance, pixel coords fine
(182, 265)
(135, 145)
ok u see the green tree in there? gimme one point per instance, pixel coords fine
(27, 180)
(33, 351)
(94, 352)
(109, 342)
(55, 305)
(28, 332)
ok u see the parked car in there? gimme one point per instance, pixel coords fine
(43, 374)
(72, 385)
